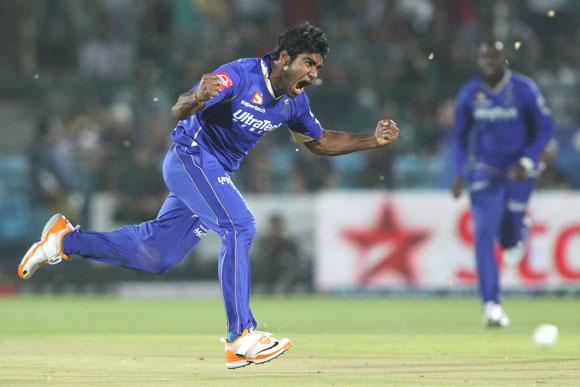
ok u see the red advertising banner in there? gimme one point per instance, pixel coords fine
(424, 240)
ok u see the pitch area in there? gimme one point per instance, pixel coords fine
(337, 341)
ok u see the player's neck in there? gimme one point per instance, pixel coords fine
(276, 79)
(276, 85)
(492, 82)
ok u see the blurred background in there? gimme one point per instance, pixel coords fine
(86, 88)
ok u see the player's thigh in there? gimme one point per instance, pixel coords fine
(206, 187)
(517, 196)
(487, 195)
(184, 189)
(174, 213)
(519, 191)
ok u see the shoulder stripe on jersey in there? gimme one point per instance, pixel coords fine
(300, 138)
(267, 79)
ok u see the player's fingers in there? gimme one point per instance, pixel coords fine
(213, 83)
(388, 124)
(390, 135)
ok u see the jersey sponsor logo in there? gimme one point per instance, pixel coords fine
(225, 80)
(257, 98)
(225, 180)
(478, 185)
(248, 119)
(256, 108)
(495, 113)
(200, 231)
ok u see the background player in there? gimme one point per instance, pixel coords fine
(221, 119)
(502, 123)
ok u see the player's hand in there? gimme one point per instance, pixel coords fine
(519, 172)
(457, 187)
(208, 87)
(386, 132)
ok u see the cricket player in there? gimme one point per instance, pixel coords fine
(221, 119)
(501, 128)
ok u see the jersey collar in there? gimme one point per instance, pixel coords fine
(265, 64)
(501, 84)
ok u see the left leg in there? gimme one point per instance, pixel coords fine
(513, 228)
(152, 246)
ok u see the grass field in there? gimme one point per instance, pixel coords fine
(421, 342)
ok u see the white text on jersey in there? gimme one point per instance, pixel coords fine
(248, 120)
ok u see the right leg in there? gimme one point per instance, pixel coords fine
(487, 203)
(202, 183)
(153, 246)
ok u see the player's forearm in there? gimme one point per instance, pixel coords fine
(187, 104)
(545, 132)
(333, 143)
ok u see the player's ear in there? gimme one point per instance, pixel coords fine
(284, 58)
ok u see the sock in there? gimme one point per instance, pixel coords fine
(232, 336)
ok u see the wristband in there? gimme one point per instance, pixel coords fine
(527, 163)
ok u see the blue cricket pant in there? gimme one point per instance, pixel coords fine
(202, 197)
(498, 205)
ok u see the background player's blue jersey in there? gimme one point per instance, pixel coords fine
(498, 126)
(244, 110)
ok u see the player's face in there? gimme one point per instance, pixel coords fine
(491, 61)
(302, 72)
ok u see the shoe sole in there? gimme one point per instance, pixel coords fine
(244, 363)
(43, 237)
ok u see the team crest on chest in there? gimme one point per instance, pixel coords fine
(257, 98)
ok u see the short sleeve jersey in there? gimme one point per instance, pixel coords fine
(245, 109)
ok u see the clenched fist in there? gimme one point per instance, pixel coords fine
(386, 132)
(208, 87)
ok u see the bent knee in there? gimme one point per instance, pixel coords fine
(244, 227)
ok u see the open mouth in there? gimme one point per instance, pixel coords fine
(299, 87)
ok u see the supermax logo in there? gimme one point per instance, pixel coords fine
(248, 119)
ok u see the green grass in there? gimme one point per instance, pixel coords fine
(377, 341)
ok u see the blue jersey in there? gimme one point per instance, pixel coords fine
(497, 127)
(245, 109)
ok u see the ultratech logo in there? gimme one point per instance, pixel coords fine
(256, 108)
(248, 119)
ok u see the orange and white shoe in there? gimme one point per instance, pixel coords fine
(48, 249)
(254, 347)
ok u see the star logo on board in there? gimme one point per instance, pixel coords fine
(386, 247)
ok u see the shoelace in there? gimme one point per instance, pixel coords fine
(262, 333)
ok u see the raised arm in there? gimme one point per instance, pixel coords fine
(331, 143)
(193, 101)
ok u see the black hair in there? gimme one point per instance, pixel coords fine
(303, 38)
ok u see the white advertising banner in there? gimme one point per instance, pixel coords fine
(424, 240)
